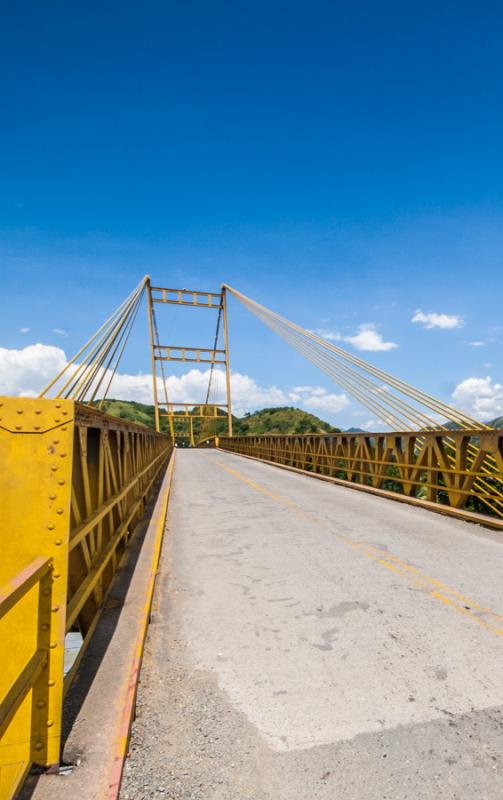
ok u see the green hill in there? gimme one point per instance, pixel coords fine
(285, 419)
(130, 410)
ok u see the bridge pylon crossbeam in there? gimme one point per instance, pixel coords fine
(160, 353)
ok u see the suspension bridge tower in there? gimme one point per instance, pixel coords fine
(181, 416)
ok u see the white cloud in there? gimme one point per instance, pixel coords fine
(479, 397)
(327, 403)
(316, 398)
(477, 344)
(25, 372)
(331, 336)
(368, 338)
(434, 320)
(24, 330)
(59, 331)
(488, 365)
(315, 391)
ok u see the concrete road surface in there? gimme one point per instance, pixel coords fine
(313, 641)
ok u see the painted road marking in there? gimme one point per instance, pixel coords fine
(450, 598)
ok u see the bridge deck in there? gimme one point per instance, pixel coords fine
(310, 641)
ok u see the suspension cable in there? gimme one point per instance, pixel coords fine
(96, 351)
(338, 353)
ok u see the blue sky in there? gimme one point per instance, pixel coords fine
(341, 164)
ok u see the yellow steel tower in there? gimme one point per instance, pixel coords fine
(166, 407)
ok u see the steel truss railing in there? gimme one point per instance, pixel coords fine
(434, 466)
(395, 402)
(77, 482)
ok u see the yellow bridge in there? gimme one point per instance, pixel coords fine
(346, 644)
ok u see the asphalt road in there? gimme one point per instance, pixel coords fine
(312, 641)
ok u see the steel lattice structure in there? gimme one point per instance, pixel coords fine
(76, 483)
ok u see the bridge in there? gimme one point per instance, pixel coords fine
(326, 610)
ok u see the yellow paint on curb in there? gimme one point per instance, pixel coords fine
(130, 687)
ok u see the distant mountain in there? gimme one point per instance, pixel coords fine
(283, 419)
(495, 423)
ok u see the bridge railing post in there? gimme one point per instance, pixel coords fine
(36, 446)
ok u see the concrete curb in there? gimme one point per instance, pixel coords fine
(129, 689)
(101, 700)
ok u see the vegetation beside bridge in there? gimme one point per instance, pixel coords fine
(284, 420)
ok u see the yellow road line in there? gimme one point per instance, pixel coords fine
(450, 598)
